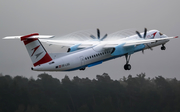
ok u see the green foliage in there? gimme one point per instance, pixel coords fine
(129, 94)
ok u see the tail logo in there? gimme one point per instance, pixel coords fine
(153, 34)
(35, 51)
(37, 55)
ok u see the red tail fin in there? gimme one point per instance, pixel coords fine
(35, 49)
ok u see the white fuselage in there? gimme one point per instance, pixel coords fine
(83, 58)
(76, 60)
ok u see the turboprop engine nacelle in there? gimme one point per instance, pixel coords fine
(73, 48)
(121, 49)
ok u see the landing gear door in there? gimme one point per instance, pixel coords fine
(82, 60)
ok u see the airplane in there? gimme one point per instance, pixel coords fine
(95, 51)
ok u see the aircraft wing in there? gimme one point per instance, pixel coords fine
(49, 40)
(113, 44)
(82, 44)
(138, 42)
(107, 44)
(88, 43)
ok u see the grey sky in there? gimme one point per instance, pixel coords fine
(61, 17)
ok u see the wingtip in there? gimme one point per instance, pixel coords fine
(176, 37)
(12, 37)
(4, 38)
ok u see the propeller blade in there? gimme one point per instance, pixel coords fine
(98, 34)
(104, 37)
(145, 32)
(92, 36)
(138, 34)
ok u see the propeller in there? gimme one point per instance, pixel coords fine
(98, 36)
(145, 32)
(144, 36)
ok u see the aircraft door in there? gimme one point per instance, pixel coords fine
(82, 60)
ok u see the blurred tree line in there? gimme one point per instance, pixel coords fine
(129, 94)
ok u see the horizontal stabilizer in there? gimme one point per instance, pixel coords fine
(35, 36)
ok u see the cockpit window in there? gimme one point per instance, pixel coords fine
(160, 33)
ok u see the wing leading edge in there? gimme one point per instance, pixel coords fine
(138, 42)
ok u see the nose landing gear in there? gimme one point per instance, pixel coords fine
(163, 47)
(127, 66)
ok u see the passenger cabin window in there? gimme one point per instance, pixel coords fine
(97, 55)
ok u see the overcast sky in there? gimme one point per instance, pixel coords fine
(61, 17)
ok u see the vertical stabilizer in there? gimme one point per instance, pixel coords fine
(35, 49)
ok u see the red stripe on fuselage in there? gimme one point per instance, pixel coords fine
(45, 59)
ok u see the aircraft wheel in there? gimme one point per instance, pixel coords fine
(127, 67)
(82, 68)
(163, 48)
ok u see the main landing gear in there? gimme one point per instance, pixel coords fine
(163, 47)
(82, 68)
(127, 66)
